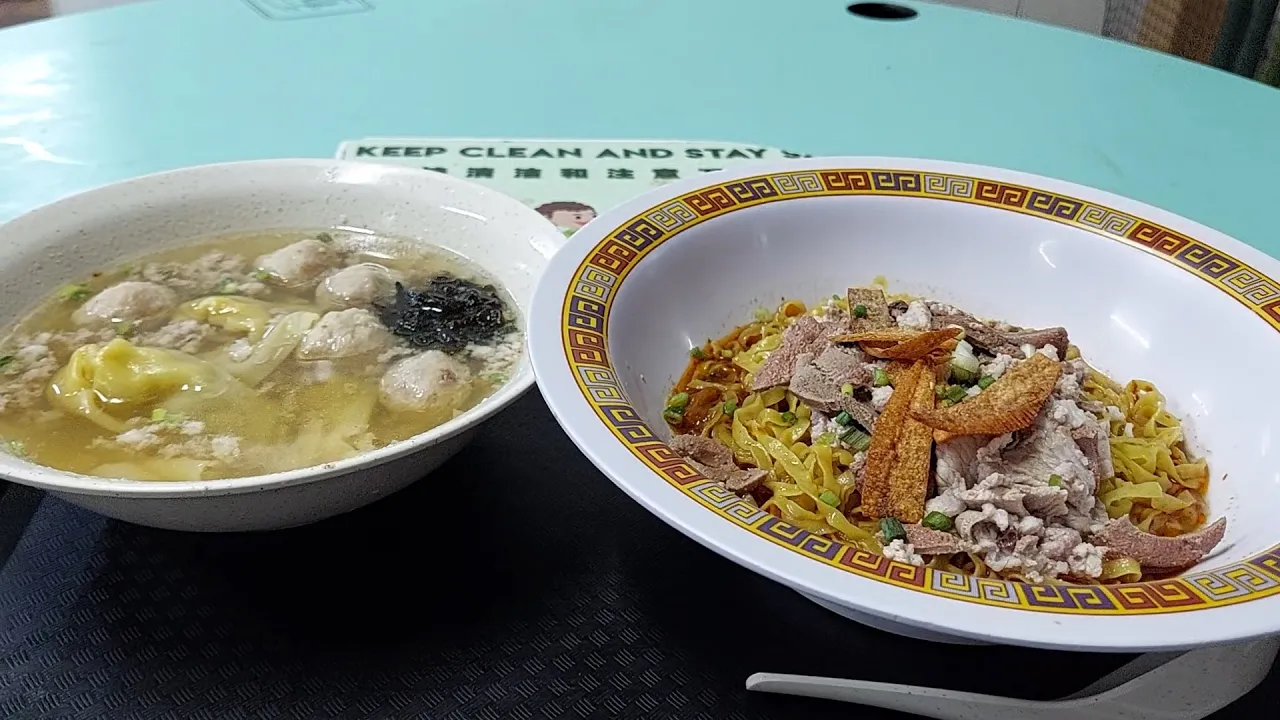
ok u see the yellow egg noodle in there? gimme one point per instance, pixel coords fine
(1157, 483)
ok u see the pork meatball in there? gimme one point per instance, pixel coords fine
(429, 380)
(356, 286)
(140, 303)
(343, 334)
(298, 264)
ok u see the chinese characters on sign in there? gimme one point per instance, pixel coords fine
(567, 181)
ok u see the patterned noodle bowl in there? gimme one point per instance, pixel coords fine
(1144, 293)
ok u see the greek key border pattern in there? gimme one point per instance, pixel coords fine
(585, 320)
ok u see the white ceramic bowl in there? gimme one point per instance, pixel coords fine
(1143, 292)
(70, 238)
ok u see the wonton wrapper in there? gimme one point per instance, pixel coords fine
(1010, 403)
(122, 375)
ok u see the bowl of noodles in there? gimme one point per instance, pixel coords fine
(954, 402)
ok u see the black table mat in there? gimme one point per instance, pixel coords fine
(514, 582)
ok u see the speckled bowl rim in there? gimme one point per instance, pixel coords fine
(46, 478)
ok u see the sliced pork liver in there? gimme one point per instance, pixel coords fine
(1123, 539)
(995, 341)
(702, 449)
(823, 393)
(1096, 446)
(716, 462)
(927, 541)
(806, 334)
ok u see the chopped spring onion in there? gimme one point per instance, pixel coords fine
(5, 360)
(679, 400)
(856, 439)
(955, 393)
(324, 237)
(697, 353)
(879, 378)
(1055, 480)
(859, 310)
(763, 315)
(843, 418)
(830, 498)
(985, 381)
(892, 530)
(124, 329)
(730, 407)
(160, 415)
(964, 364)
(846, 390)
(726, 354)
(261, 275)
(826, 438)
(789, 417)
(673, 415)
(75, 293)
(937, 521)
(15, 448)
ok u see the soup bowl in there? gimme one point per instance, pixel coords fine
(70, 238)
(1144, 294)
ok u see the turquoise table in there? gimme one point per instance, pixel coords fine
(94, 98)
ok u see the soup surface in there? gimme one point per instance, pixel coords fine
(248, 354)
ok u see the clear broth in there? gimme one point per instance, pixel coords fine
(289, 420)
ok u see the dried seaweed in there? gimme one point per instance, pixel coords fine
(448, 313)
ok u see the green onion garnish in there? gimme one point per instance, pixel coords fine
(829, 498)
(673, 415)
(75, 293)
(859, 310)
(726, 354)
(324, 237)
(879, 378)
(892, 530)
(697, 353)
(763, 315)
(15, 448)
(679, 400)
(937, 521)
(124, 329)
(844, 418)
(1055, 480)
(955, 393)
(261, 275)
(730, 407)
(846, 390)
(5, 360)
(789, 417)
(826, 438)
(985, 381)
(856, 439)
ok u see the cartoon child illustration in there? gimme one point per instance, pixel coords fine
(568, 216)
